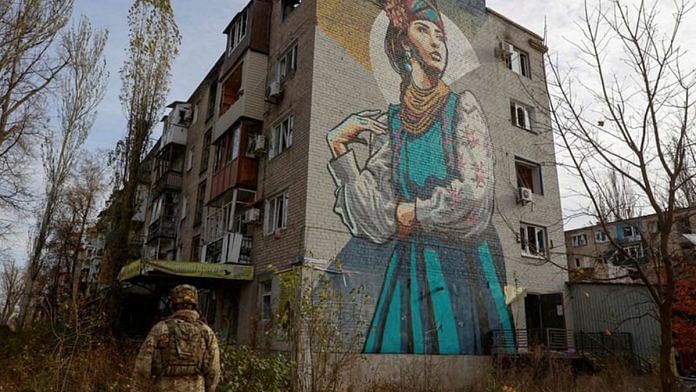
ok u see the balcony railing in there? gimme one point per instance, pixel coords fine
(233, 248)
(171, 180)
(164, 227)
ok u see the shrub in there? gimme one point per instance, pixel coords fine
(249, 370)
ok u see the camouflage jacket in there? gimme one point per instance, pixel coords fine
(179, 354)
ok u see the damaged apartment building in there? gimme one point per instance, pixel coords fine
(406, 143)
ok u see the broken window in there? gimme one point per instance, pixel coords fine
(276, 213)
(281, 136)
(532, 240)
(231, 90)
(529, 175)
(287, 63)
(521, 115)
(517, 61)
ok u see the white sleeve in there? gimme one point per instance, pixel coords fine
(465, 205)
(364, 198)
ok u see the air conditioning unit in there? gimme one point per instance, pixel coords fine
(252, 215)
(506, 50)
(525, 196)
(259, 145)
(274, 90)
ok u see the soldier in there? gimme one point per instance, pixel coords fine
(180, 353)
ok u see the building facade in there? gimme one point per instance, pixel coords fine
(399, 147)
(593, 256)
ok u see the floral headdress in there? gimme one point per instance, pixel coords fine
(403, 12)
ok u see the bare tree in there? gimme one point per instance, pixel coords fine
(28, 65)
(10, 288)
(154, 42)
(627, 109)
(81, 202)
(81, 89)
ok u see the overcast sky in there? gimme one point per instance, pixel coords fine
(201, 23)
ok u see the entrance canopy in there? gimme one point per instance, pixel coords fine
(156, 270)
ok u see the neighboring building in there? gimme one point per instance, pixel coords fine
(592, 255)
(255, 173)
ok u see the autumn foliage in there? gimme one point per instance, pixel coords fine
(685, 313)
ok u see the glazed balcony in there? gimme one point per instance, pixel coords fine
(163, 228)
(242, 93)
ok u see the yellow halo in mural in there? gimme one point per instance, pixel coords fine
(462, 58)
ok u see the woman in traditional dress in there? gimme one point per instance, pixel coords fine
(425, 195)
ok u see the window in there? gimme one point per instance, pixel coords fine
(529, 175)
(600, 237)
(579, 240)
(266, 300)
(532, 240)
(205, 156)
(276, 213)
(236, 33)
(289, 6)
(683, 226)
(200, 203)
(286, 64)
(236, 135)
(635, 251)
(577, 262)
(629, 231)
(219, 155)
(189, 159)
(250, 151)
(281, 136)
(231, 90)
(521, 115)
(184, 208)
(517, 60)
(196, 248)
(212, 97)
(194, 117)
(652, 227)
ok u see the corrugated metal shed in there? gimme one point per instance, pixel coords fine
(617, 307)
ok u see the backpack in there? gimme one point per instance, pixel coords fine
(182, 348)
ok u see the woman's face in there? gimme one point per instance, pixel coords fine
(427, 42)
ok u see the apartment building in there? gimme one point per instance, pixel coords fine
(401, 150)
(592, 255)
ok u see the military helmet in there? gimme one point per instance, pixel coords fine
(184, 294)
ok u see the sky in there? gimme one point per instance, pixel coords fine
(201, 23)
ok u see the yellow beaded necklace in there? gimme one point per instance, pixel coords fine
(422, 107)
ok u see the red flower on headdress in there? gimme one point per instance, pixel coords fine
(403, 12)
(398, 13)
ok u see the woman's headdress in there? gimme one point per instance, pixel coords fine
(403, 12)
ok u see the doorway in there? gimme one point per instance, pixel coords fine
(543, 312)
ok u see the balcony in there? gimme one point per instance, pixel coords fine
(176, 124)
(232, 248)
(169, 181)
(163, 228)
(242, 93)
(241, 172)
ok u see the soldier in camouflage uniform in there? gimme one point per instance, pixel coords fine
(180, 353)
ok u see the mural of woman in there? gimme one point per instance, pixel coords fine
(425, 195)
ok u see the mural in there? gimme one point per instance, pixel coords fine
(419, 207)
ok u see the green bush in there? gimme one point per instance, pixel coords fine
(250, 371)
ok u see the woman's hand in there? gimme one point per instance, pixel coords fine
(405, 218)
(349, 130)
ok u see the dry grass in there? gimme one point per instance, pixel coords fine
(41, 360)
